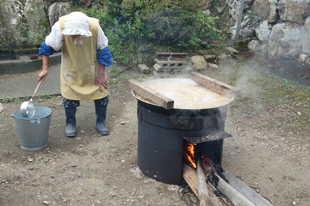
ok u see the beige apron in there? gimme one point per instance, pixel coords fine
(79, 66)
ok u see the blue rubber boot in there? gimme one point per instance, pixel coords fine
(101, 111)
(70, 121)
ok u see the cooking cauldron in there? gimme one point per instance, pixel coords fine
(161, 132)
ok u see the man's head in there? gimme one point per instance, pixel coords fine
(76, 26)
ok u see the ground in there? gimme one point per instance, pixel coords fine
(269, 150)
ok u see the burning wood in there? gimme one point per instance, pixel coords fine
(203, 193)
(190, 176)
(208, 173)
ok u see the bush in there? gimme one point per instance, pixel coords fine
(152, 26)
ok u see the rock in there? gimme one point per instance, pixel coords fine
(199, 63)
(85, 3)
(46, 203)
(223, 57)
(113, 194)
(247, 32)
(285, 40)
(305, 37)
(143, 69)
(123, 123)
(220, 8)
(82, 131)
(232, 50)
(213, 66)
(234, 8)
(263, 31)
(248, 24)
(273, 14)
(262, 8)
(209, 58)
(73, 165)
(57, 10)
(294, 11)
(263, 47)
(1, 107)
(303, 57)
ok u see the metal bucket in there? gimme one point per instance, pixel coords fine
(33, 132)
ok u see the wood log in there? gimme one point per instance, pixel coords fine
(203, 193)
(215, 85)
(231, 193)
(245, 190)
(190, 176)
(149, 94)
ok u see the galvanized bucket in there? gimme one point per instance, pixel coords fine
(33, 132)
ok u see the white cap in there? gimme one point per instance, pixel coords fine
(77, 24)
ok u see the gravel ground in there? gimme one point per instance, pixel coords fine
(269, 150)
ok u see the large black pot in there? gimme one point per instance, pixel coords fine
(161, 133)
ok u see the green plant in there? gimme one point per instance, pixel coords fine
(7, 99)
(17, 100)
(152, 26)
(113, 70)
(7, 150)
(46, 96)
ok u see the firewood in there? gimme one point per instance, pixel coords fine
(231, 193)
(190, 176)
(203, 193)
(246, 191)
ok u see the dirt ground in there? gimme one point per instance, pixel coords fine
(269, 150)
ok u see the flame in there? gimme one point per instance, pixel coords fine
(206, 162)
(190, 153)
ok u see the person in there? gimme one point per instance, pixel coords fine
(85, 54)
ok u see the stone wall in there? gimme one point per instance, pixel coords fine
(278, 27)
(25, 23)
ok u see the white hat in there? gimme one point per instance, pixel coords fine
(77, 24)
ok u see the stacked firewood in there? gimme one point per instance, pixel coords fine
(232, 191)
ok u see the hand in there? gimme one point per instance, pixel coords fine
(101, 80)
(42, 75)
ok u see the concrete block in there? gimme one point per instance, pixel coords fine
(168, 65)
(143, 69)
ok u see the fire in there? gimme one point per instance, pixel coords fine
(190, 153)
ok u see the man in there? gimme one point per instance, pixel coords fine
(85, 54)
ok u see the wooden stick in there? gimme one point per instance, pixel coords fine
(232, 194)
(148, 93)
(246, 191)
(203, 193)
(35, 91)
(215, 85)
(190, 176)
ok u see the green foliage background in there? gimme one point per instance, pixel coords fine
(151, 26)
